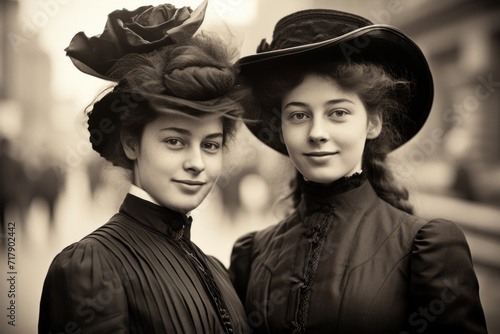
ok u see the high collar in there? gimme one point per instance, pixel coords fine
(327, 197)
(159, 218)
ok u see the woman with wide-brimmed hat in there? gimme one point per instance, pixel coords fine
(167, 121)
(336, 94)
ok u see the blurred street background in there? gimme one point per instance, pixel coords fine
(56, 189)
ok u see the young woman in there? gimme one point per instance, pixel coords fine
(336, 94)
(167, 121)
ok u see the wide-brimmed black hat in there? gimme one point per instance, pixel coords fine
(320, 34)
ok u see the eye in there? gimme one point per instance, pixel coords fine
(211, 147)
(174, 143)
(298, 116)
(338, 113)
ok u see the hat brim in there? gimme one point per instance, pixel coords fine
(381, 44)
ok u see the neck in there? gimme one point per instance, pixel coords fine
(141, 193)
(359, 172)
(346, 183)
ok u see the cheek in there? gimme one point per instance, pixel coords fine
(351, 136)
(214, 165)
(354, 148)
(293, 136)
(161, 161)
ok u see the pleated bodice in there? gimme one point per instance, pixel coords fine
(139, 273)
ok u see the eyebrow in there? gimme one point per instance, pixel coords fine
(296, 104)
(302, 104)
(214, 135)
(336, 101)
(179, 130)
(187, 132)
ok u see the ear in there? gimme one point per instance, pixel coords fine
(130, 146)
(374, 126)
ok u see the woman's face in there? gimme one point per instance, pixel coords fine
(178, 159)
(325, 128)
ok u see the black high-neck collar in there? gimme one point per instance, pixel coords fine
(319, 196)
(161, 219)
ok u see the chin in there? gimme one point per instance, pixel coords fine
(185, 206)
(318, 178)
(181, 204)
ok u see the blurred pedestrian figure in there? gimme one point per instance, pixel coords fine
(47, 186)
(13, 184)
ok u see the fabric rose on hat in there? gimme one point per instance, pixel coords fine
(139, 31)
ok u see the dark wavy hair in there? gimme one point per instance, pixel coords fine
(377, 89)
(193, 78)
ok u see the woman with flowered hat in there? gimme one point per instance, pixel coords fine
(336, 94)
(166, 120)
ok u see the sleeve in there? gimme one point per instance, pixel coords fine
(241, 263)
(82, 293)
(444, 288)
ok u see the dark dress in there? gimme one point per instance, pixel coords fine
(348, 262)
(139, 273)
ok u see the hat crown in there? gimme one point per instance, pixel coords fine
(314, 25)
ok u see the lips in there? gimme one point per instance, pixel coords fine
(191, 182)
(319, 154)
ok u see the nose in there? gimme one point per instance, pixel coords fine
(194, 162)
(318, 133)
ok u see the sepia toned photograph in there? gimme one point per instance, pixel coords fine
(250, 166)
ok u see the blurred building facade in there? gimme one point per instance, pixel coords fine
(25, 71)
(25, 114)
(462, 40)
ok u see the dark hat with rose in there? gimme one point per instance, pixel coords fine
(316, 35)
(158, 62)
(140, 31)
